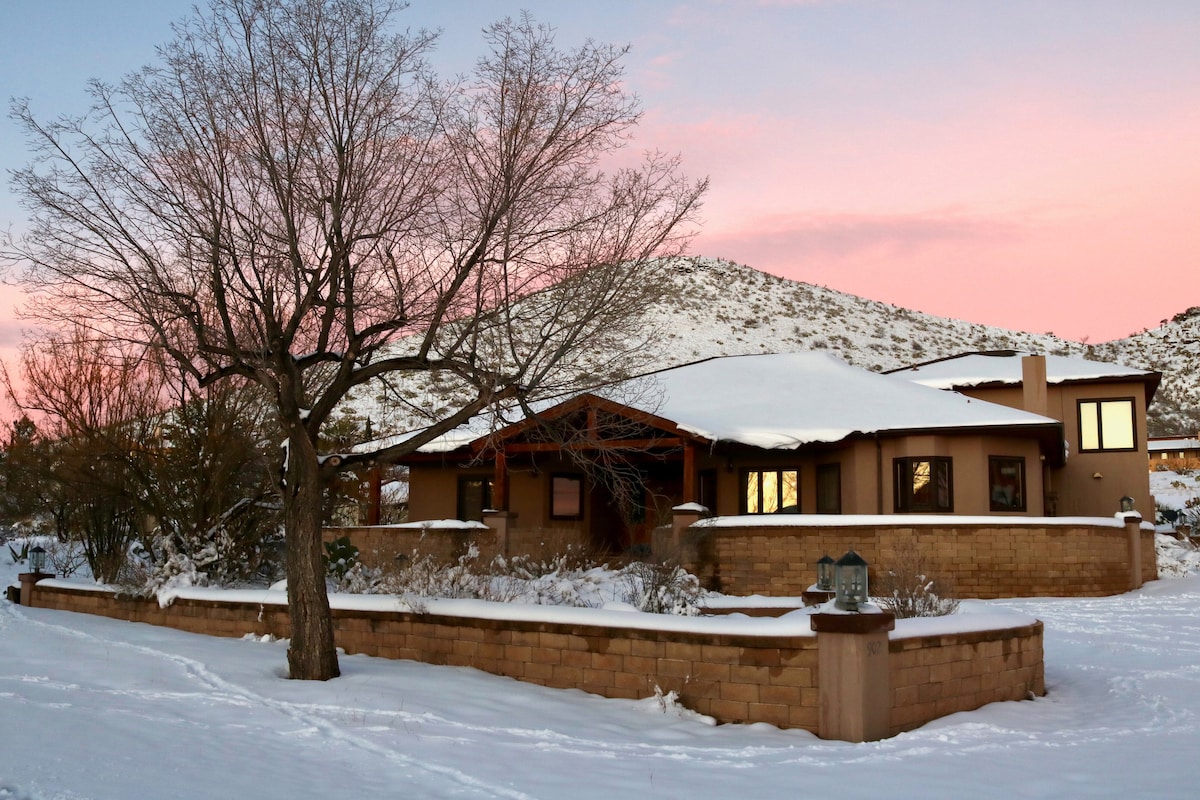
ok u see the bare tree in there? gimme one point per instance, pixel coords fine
(290, 197)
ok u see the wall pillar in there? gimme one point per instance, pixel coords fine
(28, 581)
(682, 517)
(852, 671)
(1133, 534)
(501, 522)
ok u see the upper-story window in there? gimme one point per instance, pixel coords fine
(771, 491)
(924, 484)
(1107, 425)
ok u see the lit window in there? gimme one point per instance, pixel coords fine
(829, 489)
(1006, 482)
(474, 495)
(1106, 425)
(924, 484)
(566, 497)
(771, 491)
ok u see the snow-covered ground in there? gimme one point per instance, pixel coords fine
(95, 708)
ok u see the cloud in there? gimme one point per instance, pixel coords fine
(841, 235)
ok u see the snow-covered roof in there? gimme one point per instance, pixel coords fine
(1004, 367)
(1175, 443)
(784, 401)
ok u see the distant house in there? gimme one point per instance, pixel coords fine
(1174, 452)
(1101, 407)
(793, 433)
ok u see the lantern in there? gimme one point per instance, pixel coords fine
(1126, 504)
(850, 579)
(37, 558)
(825, 573)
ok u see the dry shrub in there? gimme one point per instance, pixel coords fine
(905, 587)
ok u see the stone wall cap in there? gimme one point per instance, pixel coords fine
(853, 623)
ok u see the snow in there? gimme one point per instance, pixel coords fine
(977, 369)
(1180, 443)
(787, 400)
(96, 708)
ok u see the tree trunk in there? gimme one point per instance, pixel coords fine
(311, 655)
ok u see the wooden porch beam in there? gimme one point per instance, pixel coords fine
(689, 473)
(609, 444)
(500, 482)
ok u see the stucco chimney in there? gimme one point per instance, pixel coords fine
(1033, 384)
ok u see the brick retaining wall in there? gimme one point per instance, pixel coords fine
(381, 545)
(733, 678)
(1012, 559)
(933, 676)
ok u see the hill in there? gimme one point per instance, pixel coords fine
(715, 307)
(722, 308)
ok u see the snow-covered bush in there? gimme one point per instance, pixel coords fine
(665, 588)
(905, 588)
(567, 579)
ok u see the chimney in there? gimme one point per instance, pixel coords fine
(1033, 384)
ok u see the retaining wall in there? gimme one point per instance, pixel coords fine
(976, 559)
(731, 677)
(448, 540)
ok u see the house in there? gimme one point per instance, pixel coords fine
(1101, 407)
(777, 434)
(1174, 452)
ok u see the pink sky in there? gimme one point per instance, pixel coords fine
(1032, 164)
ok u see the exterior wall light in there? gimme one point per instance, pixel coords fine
(37, 559)
(850, 579)
(1126, 503)
(825, 567)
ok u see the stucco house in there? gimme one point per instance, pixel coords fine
(1101, 407)
(1174, 452)
(802, 433)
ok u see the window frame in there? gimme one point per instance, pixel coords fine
(996, 463)
(778, 472)
(903, 500)
(488, 487)
(824, 471)
(575, 479)
(1098, 422)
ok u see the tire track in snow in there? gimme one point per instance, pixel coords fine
(303, 714)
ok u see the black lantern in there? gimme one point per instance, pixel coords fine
(37, 558)
(825, 573)
(850, 577)
(1126, 503)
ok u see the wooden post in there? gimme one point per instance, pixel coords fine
(500, 482)
(689, 473)
(375, 479)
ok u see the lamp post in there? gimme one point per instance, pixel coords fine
(37, 559)
(850, 582)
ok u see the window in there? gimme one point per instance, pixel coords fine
(474, 495)
(566, 497)
(1006, 483)
(829, 488)
(1106, 425)
(771, 491)
(924, 484)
